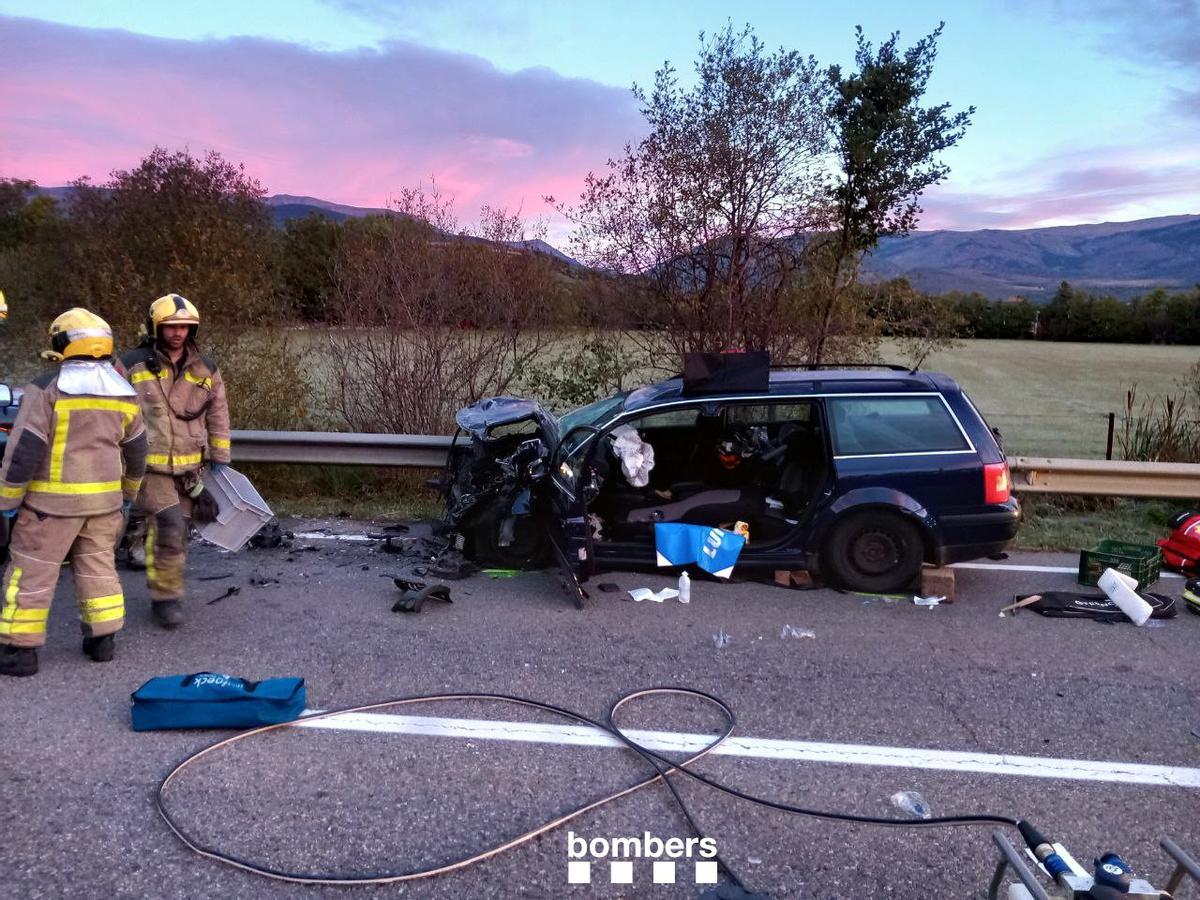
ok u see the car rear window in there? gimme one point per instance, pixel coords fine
(864, 425)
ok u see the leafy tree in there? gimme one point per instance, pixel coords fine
(33, 235)
(887, 147)
(307, 261)
(198, 227)
(24, 216)
(706, 207)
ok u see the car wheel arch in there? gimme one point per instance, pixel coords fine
(911, 510)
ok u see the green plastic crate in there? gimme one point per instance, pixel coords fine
(1140, 561)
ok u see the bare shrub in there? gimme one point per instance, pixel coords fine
(265, 378)
(431, 317)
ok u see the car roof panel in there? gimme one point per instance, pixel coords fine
(792, 382)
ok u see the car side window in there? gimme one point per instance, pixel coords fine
(671, 418)
(769, 413)
(882, 425)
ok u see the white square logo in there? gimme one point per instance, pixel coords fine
(706, 871)
(579, 871)
(621, 872)
(664, 871)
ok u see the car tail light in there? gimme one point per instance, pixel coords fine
(996, 486)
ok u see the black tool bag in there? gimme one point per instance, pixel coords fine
(1068, 605)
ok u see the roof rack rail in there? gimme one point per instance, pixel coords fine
(892, 366)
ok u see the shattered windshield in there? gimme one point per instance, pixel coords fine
(592, 414)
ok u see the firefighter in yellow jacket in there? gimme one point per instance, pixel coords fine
(187, 424)
(73, 466)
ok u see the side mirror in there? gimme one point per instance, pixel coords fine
(6, 395)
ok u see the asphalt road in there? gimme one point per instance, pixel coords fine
(78, 791)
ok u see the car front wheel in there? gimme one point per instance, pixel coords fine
(525, 549)
(873, 550)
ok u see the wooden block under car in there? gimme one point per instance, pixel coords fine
(937, 582)
(795, 578)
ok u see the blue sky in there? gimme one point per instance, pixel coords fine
(1086, 111)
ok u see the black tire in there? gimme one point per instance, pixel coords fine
(528, 547)
(873, 550)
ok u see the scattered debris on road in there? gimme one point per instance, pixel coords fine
(640, 594)
(415, 593)
(912, 803)
(231, 592)
(791, 631)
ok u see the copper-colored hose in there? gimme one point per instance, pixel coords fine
(663, 768)
(193, 844)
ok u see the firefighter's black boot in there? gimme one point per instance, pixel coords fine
(167, 613)
(100, 649)
(18, 661)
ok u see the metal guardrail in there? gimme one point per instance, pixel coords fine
(341, 449)
(1030, 474)
(1100, 477)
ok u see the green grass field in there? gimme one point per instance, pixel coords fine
(1053, 399)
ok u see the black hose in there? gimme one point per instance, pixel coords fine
(662, 766)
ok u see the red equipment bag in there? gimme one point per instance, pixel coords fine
(1181, 548)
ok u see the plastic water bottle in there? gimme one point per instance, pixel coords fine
(685, 588)
(1116, 585)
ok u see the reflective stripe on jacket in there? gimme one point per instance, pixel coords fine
(186, 411)
(73, 455)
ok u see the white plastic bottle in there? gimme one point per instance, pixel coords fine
(1116, 585)
(685, 588)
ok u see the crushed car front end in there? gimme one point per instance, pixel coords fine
(491, 487)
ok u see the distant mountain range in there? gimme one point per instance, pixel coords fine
(1119, 258)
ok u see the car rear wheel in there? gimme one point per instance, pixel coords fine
(873, 550)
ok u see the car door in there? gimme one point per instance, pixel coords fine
(570, 531)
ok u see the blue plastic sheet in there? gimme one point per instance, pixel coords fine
(713, 549)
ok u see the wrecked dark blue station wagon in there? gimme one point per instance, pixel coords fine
(859, 474)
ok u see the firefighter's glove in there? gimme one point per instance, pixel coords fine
(204, 507)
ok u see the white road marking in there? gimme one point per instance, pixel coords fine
(1014, 567)
(321, 536)
(769, 748)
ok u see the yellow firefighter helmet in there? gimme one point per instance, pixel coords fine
(78, 332)
(172, 310)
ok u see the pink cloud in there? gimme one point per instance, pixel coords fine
(353, 127)
(1070, 191)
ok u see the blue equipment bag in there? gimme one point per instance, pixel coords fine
(212, 700)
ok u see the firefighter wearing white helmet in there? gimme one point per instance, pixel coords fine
(182, 396)
(73, 466)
